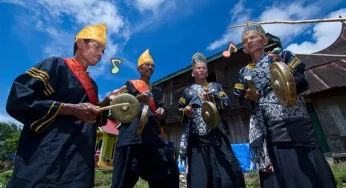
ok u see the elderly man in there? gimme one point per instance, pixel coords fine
(57, 102)
(210, 158)
(147, 155)
(283, 140)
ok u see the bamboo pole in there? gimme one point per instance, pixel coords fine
(294, 22)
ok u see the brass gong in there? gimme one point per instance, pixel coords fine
(283, 84)
(210, 114)
(143, 120)
(126, 112)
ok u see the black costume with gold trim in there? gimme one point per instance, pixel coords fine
(53, 151)
(283, 137)
(210, 159)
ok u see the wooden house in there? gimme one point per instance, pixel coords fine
(326, 98)
(106, 138)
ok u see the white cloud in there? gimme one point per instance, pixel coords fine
(49, 16)
(239, 15)
(6, 118)
(297, 10)
(160, 10)
(143, 5)
(294, 11)
(324, 34)
(16, 2)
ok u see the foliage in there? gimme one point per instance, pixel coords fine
(339, 172)
(103, 178)
(4, 177)
(252, 180)
(9, 138)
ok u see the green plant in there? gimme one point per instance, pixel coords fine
(5, 177)
(252, 180)
(103, 178)
(339, 172)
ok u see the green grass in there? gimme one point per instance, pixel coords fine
(339, 172)
(103, 178)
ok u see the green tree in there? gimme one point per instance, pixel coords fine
(9, 138)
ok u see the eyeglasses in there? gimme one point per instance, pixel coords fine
(98, 47)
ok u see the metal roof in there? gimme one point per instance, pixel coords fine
(325, 77)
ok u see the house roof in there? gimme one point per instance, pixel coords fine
(328, 76)
(324, 73)
(214, 57)
(110, 128)
(338, 47)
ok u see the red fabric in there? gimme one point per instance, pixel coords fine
(83, 77)
(142, 87)
(110, 127)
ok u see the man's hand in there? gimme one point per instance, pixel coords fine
(160, 113)
(84, 111)
(252, 96)
(275, 57)
(115, 93)
(207, 94)
(143, 97)
(188, 111)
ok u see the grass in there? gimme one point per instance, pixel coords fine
(103, 178)
(339, 172)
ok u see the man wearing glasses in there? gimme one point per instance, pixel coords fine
(57, 102)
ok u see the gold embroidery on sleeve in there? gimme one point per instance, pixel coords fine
(239, 86)
(44, 77)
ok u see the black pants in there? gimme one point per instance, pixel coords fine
(297, 167)
(155, 165)
(214, 167)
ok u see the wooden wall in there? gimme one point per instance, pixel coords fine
(331, 113)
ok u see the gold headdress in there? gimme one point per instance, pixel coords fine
(198, 58)
(145, 58)
(94, 32)
(252, 26)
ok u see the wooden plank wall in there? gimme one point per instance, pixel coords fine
(332, 116)
(238, 125)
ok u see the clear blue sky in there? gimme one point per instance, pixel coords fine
(173, 30)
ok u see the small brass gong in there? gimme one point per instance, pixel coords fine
(125, 113)
(283, 84)
(143, 120)
(210, 114)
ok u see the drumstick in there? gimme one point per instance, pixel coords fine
(250, 83)
(114, 106)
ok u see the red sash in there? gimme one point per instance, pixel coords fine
(142, 87)
(83, 77)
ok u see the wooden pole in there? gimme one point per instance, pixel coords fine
(114, 106)
(295, 22)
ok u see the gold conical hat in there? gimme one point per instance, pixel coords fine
(94, 32)
(145, 58)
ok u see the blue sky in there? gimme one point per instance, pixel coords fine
(173, 30)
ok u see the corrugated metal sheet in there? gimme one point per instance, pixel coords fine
(327, 76)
